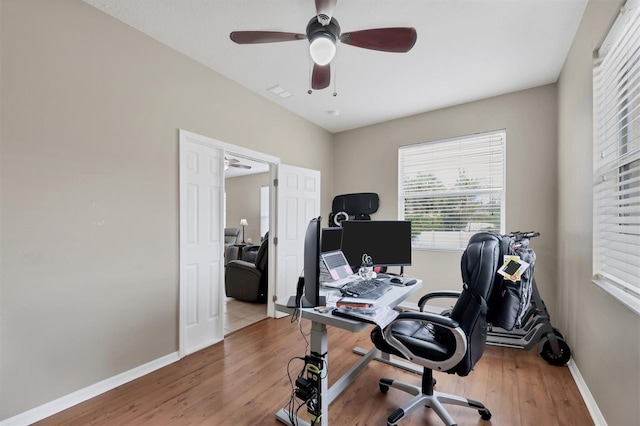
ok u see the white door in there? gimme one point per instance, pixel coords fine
(201, 242)
(298, 201)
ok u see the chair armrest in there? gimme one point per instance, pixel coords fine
(447, 323)
(437, 295)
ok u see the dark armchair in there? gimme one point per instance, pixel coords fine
(451, 344)
(248, 281)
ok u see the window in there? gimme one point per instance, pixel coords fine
(450, 189)
(616, 163)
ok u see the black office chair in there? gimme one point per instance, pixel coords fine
(450, 344)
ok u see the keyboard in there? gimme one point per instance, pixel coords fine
(371, 289)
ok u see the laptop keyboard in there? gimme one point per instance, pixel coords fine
(365, 288)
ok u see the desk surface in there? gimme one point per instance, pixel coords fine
(391, 298)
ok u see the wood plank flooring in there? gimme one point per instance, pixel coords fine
(243, 381)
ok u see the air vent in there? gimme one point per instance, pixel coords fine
(279, 91)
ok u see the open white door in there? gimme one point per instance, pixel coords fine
(201, 243)
(202, 240)
(298, 201)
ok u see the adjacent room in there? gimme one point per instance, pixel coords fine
(247, 226)
(161, 161)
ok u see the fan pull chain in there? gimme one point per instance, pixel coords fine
(335, 85)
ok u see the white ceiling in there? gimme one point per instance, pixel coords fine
(466, 50)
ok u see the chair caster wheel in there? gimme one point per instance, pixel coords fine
(485, 414)
(385, 384)
(395, 417)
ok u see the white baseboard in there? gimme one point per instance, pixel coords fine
(590, 402)
(60, 404)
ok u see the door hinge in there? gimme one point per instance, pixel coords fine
(275, 182)
(275, 240)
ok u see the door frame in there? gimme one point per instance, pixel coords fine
(184, 137)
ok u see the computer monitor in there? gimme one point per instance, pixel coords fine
(331, 239)
(311, 296)
(388, 242)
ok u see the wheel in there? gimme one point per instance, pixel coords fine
(556, 359)
(384, 388)
(485, 414)
(557, 333)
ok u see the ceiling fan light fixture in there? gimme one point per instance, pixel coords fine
(322, 48)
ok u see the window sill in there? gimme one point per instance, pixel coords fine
(627, 299)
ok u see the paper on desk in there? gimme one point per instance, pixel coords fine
(358, 300)
(381, 315)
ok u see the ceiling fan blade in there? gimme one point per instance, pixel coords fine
(398, 40)
(240, 166)
(324, 10)
(321, 76)
(253, 37)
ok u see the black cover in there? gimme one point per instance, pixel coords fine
(353, 204)
(509, 303)
(357, 206)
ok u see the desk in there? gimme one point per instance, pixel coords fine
(318, 344)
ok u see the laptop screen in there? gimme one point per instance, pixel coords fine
(336, 264)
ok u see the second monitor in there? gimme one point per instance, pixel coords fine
(388, 242)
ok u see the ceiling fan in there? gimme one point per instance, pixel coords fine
(234, 162)
(323, 31)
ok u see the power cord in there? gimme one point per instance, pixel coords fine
(306, 387)
(291, 406)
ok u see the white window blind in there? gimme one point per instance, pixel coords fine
(616, 186)
(450, 189)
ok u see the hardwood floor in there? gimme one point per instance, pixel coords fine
(243, 381)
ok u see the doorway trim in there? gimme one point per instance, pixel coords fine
(184, 137)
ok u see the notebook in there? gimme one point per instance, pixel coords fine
(336, 264)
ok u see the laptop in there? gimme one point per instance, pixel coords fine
(336, 264)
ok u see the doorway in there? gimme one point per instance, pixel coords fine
(246, 209)
(202, 216)
(292, 203)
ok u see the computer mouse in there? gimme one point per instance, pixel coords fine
(395, 281)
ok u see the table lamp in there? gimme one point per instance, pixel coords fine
(243, 223)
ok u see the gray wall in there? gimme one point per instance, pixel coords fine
(90, 112)
(243, 201)
(603, 333)
(530, 119)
